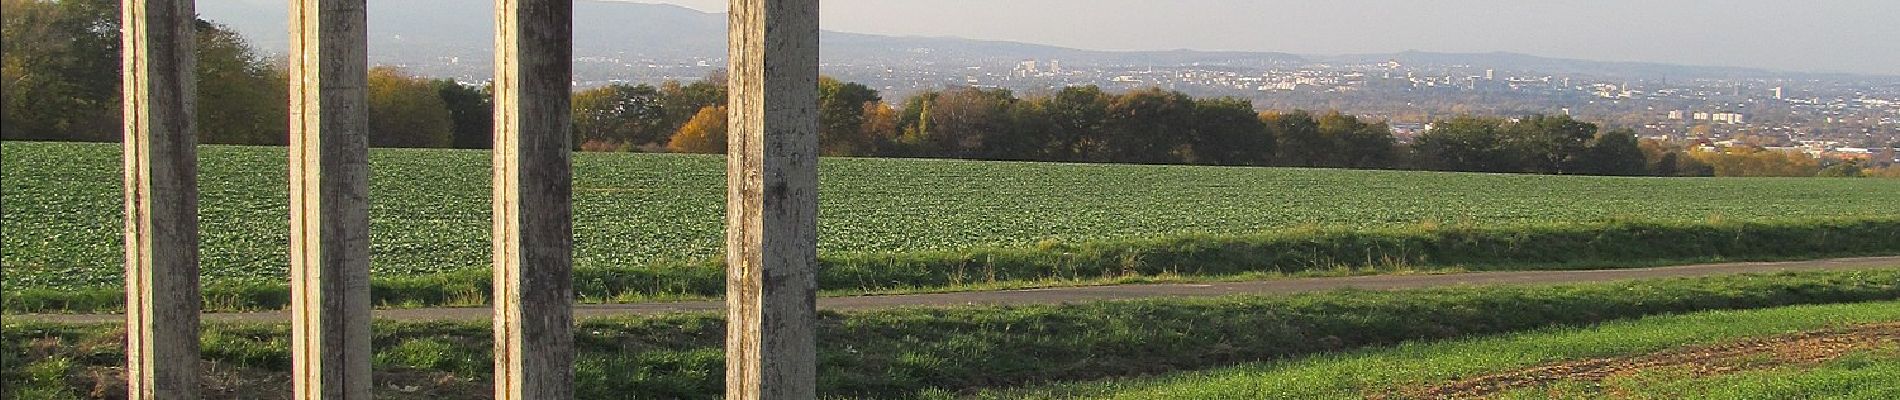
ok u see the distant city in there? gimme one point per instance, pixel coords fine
(628, 43)
(1816, 116)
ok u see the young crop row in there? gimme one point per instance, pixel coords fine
(430, 209)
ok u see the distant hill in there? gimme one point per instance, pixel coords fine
(422, 32)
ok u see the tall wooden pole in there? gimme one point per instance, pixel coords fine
(329, 200)
(772, 200)
(161, 198)
(533, 228)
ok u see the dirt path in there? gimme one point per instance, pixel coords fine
(1099, 293)
(1805, 348)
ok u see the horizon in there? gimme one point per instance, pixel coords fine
(1687, 33)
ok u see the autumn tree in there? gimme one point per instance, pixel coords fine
(956, 123)
(705, 133)
(406, 111)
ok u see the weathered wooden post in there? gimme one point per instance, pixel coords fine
(329, 200)
(772, 200)
(161, 198)
(533, 229)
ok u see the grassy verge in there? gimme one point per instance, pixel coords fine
(1295, 251)
(1381, 371)
(904, 353)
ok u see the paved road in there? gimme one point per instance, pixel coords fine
(1099, 293)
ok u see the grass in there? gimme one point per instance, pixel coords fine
(1356, 374)
(910, 352)
(649, 226)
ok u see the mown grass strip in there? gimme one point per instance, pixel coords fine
(904, 353)
(1384, 370)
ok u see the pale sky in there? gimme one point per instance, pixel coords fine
(1860, 36)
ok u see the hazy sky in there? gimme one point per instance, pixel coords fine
(1860, 36)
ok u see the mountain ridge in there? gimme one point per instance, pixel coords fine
(665, 33)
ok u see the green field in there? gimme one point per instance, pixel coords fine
(1864, 374)
(62, 207)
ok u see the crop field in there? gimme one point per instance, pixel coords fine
(62, 206)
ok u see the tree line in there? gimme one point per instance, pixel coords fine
(61, 74)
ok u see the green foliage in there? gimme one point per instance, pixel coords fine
(60, 68)
(1534, 144)
(472, 111)
(1848, 169)
(621, 114)
(903, 353)
(651, 224)
(841, 117)
(61, 74)
(1330, 140)
(242, 96)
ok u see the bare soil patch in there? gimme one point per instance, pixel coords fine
(1804, 348)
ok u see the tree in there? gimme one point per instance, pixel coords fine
(841, 117)
(59, 67)
(1614, 153)
(1548, 144)
(1464, 144)
(881, 127)
(242, 97)
(1147, 126)
(620, 114)
(471, 112)
(681, 102)
(956, 123)
(1076, 117)
(1228, 132)
(1845, 169)
(1355, 143)
(406, 111)
(705, 133)
(1755, 162)
(1298, 138)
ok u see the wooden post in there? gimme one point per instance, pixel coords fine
(772, 200)
(533, 228)
(329, 200)
(161, 199)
